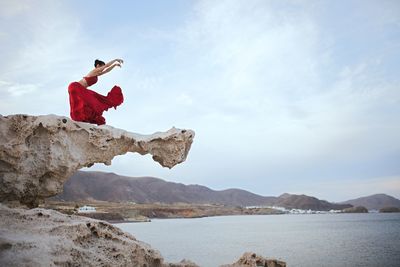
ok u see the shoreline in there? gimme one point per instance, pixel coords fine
(116, 213)
(123, 212)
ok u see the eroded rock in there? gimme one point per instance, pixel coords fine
(250, 259)
(39, 153)
(41, 237)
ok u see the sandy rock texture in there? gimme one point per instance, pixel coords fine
(250, 259)
(41, 237)
(39, 153)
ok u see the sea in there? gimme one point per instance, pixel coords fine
(370, 239)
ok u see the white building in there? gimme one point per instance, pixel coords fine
(86, 209)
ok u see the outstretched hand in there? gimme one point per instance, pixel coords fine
(119, 60)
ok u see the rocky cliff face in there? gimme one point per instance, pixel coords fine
(39, 153)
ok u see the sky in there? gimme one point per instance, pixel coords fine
(284, 96)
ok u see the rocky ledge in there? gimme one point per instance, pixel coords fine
(41, 237)
(39, 153)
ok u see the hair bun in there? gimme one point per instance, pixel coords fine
(98, 62)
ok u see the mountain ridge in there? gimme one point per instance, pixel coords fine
(116, 188)
(374, 202)
(95, 185)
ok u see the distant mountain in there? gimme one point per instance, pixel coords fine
(290, 201)
(116, 188)
(375, 202)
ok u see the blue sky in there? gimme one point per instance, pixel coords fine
(284, 96)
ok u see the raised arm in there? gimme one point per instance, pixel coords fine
(112, 62)
(109, 69)
(106, 68)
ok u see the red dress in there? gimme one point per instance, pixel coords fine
(88, 106)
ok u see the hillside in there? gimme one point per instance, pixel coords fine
(307, 202)
(375, 202)
(115, 188)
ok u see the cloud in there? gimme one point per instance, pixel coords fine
(16, 89)
(36, 55)
(184, 99)
(266, 70)
(278, 93)
(11, 8)
(271, 88)
(345, 190)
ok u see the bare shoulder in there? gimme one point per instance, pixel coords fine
(93, 72)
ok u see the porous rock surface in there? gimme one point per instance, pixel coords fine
(39, 153)
(250, 259)
(42, 237)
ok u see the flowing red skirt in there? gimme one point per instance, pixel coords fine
(88, 106)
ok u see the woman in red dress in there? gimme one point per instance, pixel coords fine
(87, 105)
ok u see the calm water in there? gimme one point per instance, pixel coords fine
(300, 240)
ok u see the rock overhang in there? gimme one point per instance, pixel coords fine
(39, 153)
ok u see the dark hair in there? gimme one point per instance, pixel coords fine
(99, 62)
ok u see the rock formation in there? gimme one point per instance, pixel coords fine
(41, 237)
(389, 209)
(358, 209)
(39, 153)
(249, 259)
